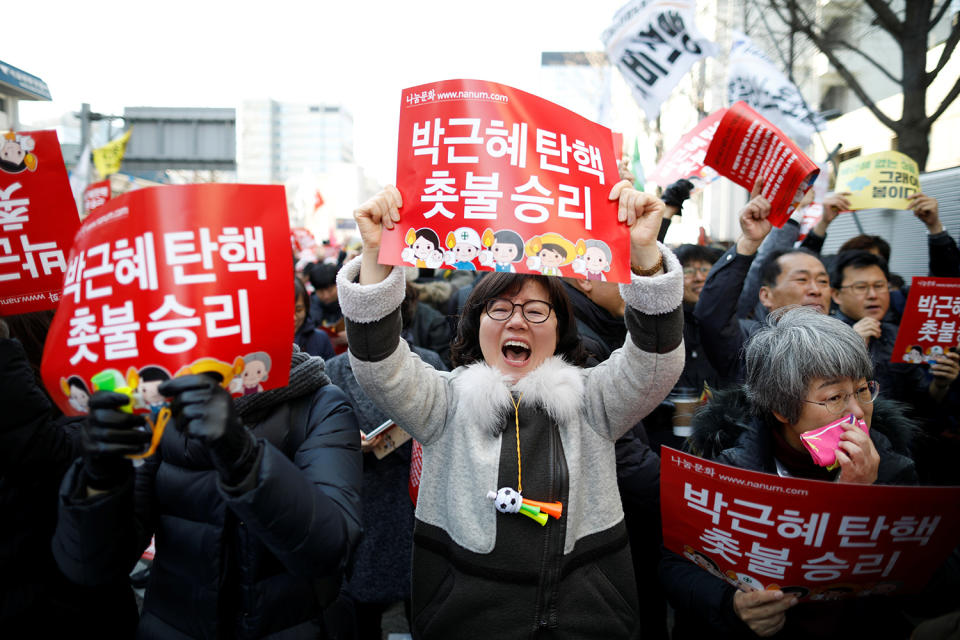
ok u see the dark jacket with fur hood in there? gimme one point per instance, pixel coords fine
(726, 430)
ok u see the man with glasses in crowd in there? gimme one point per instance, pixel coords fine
(862, 295)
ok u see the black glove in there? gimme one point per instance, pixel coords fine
(204, 410)
(675, 194)
(107, 436)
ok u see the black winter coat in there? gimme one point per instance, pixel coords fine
(726, 431)
(253, 561)
(36, 448)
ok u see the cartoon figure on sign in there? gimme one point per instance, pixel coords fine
(932, 353)
(423, 248)
(148, 379)
(549, 252)
(78, 395)
(914, 354)
(504, 247)
(595, 261)
(703, 560)
(256, 369)
(224, 373)
(747, 583)
(464, 246)
(16, 153)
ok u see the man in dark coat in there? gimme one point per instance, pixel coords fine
(255, 504)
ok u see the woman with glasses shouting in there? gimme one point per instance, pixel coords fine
(804, 370)
(519, 527)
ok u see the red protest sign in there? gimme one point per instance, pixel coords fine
(95, 195)
(38, 218)
(828, 540)
(746, 147)
(686, 158)
(171, 280)
(497, 179)
(931, 320)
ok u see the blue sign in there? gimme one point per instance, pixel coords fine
(23, 84)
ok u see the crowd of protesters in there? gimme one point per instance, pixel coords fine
(274, 516)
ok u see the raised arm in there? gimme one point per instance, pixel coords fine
(636, 377)
(411, 392)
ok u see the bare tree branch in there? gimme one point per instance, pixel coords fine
(865, 56)
(948, 48)
(847, 76)
(886, 17)
(950, 97)
(942, 10)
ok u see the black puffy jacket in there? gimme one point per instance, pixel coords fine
(231, 562)
(37, 445)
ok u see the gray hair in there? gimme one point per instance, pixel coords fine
(797, 346)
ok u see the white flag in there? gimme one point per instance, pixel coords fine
(753, 78)
(654, 43)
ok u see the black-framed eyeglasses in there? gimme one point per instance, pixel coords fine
(837, 404)
(534, 311)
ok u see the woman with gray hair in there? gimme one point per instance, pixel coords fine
(804, 370)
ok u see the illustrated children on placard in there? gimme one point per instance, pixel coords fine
(16, 153)
(549, 252)
(148, 397)
(255, 371)
(505, 248)
(77, 392)
(595, 261)
(464, 244)
(423, 248)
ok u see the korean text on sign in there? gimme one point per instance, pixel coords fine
(757, 530)
(491, 175)
(172, 277)
(38, 219)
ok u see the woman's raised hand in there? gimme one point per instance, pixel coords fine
(642, 212)
(380, 212)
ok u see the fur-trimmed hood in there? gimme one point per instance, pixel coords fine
(724, 420)
(555, 386)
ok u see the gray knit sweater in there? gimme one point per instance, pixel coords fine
(458, 416)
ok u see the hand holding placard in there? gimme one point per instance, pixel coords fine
(641, 212)
(765, 612)
(754, 222)
(380, 212)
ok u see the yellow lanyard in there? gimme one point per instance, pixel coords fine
(516, 417)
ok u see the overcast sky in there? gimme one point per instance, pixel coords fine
(358, 53)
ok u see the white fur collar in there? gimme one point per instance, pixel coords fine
(556, 386)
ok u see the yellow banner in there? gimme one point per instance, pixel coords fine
(109, 157)
(882, 180)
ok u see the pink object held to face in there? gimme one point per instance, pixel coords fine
(823, 443)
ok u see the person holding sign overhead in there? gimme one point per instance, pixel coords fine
(518, 420)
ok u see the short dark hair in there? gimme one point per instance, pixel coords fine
(323, 275)
(866, 243)
(77, 381)
(856, 260)
(770, 270)
(152, 373)
(506, 236)
(687, 253)
(466, 346)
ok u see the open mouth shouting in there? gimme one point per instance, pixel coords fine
(516, 353)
